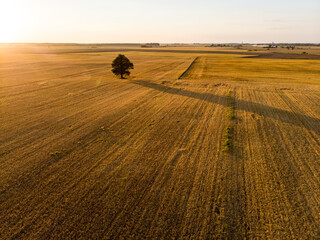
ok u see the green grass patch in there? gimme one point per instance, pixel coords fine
(230, 114)
(227, 144)
(228, 132)
(229, 94)
(58, 153)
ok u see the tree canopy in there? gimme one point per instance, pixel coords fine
(121, 65)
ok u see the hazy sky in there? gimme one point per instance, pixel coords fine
(163, 21)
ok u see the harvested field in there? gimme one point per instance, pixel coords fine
(248, 52)
(268, 55)
(85, 155)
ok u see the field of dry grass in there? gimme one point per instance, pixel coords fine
(85, 155)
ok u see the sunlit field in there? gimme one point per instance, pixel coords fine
(228, 150)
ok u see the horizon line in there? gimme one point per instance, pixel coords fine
(137, 43)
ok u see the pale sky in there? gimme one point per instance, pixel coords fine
(139, 21)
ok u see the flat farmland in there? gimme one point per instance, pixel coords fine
(85, 155)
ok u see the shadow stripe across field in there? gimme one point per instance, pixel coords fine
(264, 110)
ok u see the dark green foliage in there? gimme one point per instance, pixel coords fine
(227, 144)
(231, 103)
(230, 114)
(121, 66)
(228, 132)
(228, 137)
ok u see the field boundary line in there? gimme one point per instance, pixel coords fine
(185, 72)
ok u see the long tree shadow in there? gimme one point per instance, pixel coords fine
(294, 118)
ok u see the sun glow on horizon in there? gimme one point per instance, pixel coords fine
(12, 24)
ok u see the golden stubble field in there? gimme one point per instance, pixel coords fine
(85, 155)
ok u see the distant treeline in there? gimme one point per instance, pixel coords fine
(264, 44)
(146, 45)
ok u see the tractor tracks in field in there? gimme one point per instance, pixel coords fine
(279, 158)
(235, 221)
(46, 83)
(145, 159)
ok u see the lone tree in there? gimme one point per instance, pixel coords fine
(121, 66)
